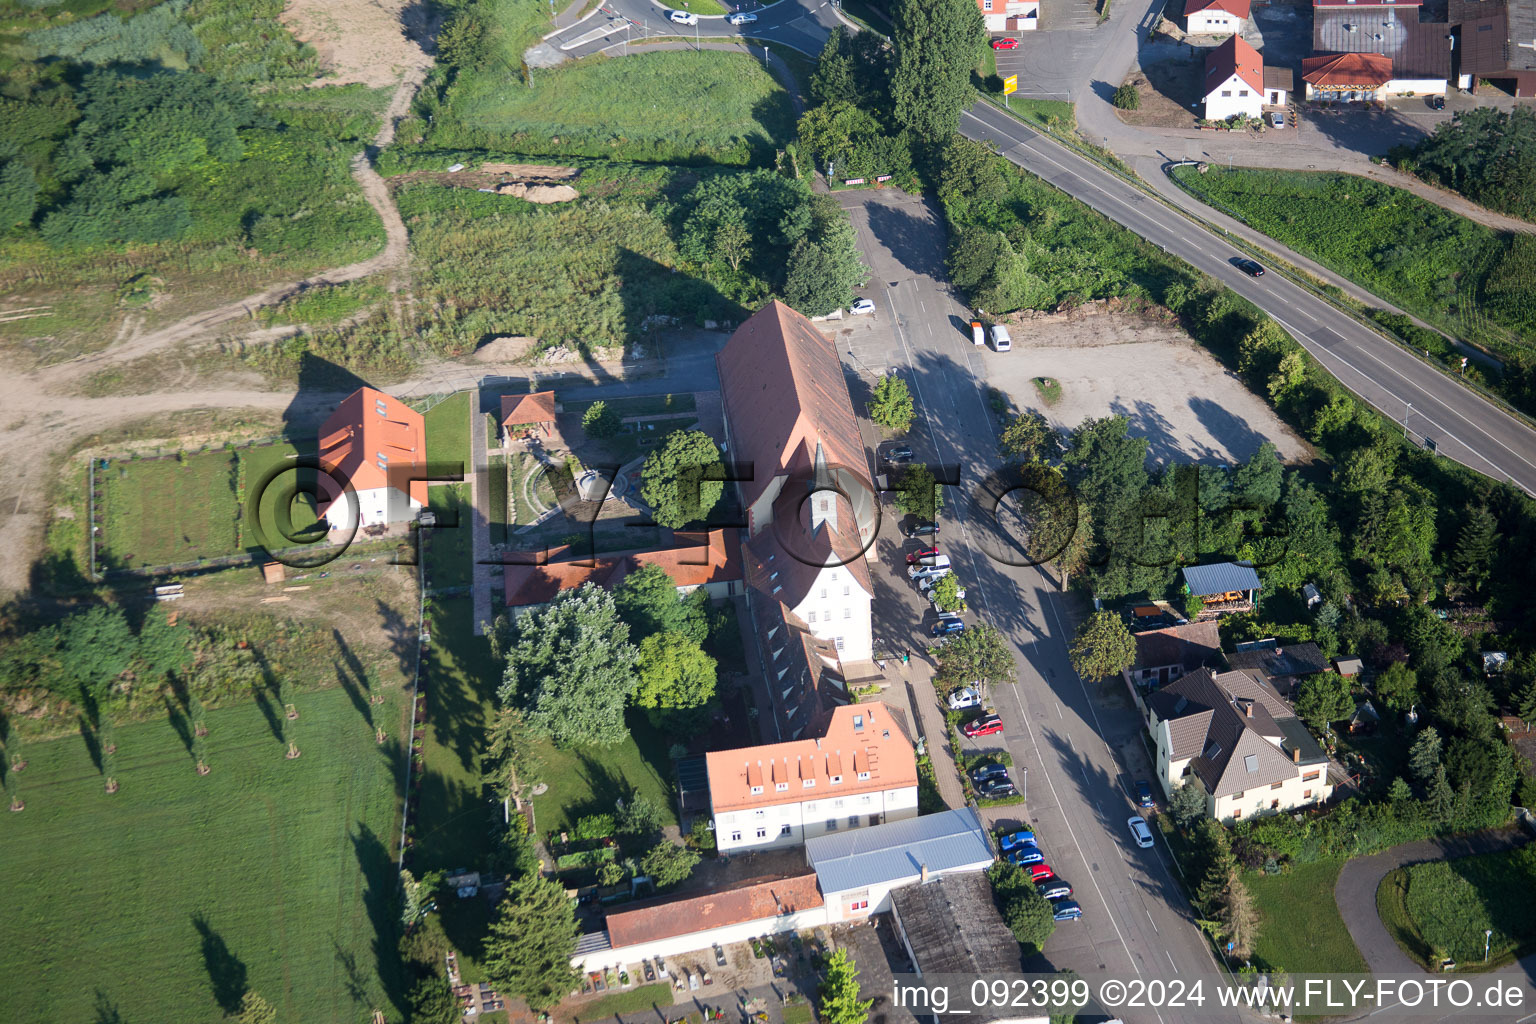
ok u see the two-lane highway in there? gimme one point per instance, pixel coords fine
(1464, 426)
(801, 24)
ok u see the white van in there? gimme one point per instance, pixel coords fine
(978, 334)
(1000, 340)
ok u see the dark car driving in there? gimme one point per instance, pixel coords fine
(1250, 268)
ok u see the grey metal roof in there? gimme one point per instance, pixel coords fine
(947, 841)
(1220, 578)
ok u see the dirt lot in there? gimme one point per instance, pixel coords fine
(358, 40)
(1173, 392)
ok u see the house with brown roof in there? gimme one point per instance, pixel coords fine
(374, 449)
(861, 770)
(1215, 17)
(1355, 44)
(524, 415)
(1494, 42)
(1280, 667)
(1163, 655)
(811, 506)
(1239, 742)
(1234, 80)
(710, 559)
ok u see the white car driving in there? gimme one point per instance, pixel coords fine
(684, 18)
(862, 306)
(1140, 832)
(742, 19)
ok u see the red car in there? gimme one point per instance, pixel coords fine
(1005, 44)
(922, 553)
(984, 726)
(1040, 872)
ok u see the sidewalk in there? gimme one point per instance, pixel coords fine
(929, 720)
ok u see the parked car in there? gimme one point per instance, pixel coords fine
(986, 772)
(1005, 44)
(933, 595)
(947, 627)
(986, 725)
(1001, 341)
(920, 529)
(978, 334)
(996, 789)
(1040, 872)
(741, 19)
(919, 573)
(861, 306)
(1024, 856)
(1066, 910)
(927, 583)
(1144, 793)
(720, 955)
(1053, 889)
(913, 557)
(683, 18)
(1020, 838)
(963, 698)
(1140, 832)
(1277, 118)
(898, 454)
(1437, 103)
(1250, 268)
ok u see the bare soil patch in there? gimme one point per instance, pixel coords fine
(540, 172)
(1167, 89)
(357, 40)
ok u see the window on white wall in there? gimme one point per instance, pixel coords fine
(755, 791)
(736, 837)
(762, 833)
(785, 830)
(812, 617)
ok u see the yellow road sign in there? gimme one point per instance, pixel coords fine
(1010, 85)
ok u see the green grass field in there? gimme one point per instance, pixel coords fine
(450, 549)
(166, 899)
(586, 780)
(636, 1000)
(662, 106)
(1300, 928)
(1444, 908)
(447, 427)
(161, 511)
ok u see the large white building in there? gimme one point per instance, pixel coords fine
(376, 445)
(1234, 80)
(1010, 15)
(861, 771)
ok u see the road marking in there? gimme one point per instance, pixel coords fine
(1170, 960)
(1149, 918)
(1058, 709)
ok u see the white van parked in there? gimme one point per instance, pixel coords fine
(1001, 342)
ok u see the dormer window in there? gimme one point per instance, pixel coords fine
(863, 776)
(858, 721)
(781, 787)
(808, 783)
(757, 790)
(837, 780)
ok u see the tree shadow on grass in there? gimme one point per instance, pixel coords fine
(269, 709)
(179, 721)
(354, 689)
(105, 1010)
(403, 637)
(92, 742)
(380, 881)
(355, 981)
(226, 972)
(606, 787)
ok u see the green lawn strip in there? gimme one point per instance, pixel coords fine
(164, 511)
(710, 105)
(450, 550)
(637, 1000)
(588, 780)
(285, 863)
(639, 405)
(447, 427)
(1300, 929)
(1445, 908)
(266, 483)
(499, 509)
(705, 7)
(1049, 389)
(798, 1013)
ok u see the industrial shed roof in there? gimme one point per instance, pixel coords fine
(949, 841)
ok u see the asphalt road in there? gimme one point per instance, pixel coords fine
(1464, 426)
(1077, 745)
(801, 24)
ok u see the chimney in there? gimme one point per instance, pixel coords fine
(923, 875)
(1296, 755)
(1248, 710)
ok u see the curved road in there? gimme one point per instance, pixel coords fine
(801, 24)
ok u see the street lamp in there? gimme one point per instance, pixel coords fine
(1487, 941)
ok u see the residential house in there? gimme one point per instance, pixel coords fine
(374, 449)
(858, 870)
(1224, 587)
(1239, 742)
(861, 771)
(1494, 42)
(1279, 83)
(1348, 666)
(1163, 655)
(710, 559)
(1215, 17)
(1010, 15)
(1281, 668)
(1234, 80)
(527, 415)
(811, 508)
(1414, 53)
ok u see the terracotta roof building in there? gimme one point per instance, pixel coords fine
(522, 411)
(1234, 80)
(1209, 17)
(861, 771)
(711, 560)
(1163, 655)
(376, 445)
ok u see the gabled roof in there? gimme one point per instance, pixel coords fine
(783, 389)
(1234, 56)
(859, 738)
(535, 408)
(375, 440)
(1223, 576)
(1191, 644)
(1239, 8)
(952, 927)
(1274, 662)
(1337, 70)
(948, 841)
(696, 559)
(755, 900)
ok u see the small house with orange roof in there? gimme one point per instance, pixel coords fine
(522, 415)
(1010, 15)
(1215, 17)
(373, 448)
(709, 559)
(860, 770)
(1347, 76)
(1234, 80)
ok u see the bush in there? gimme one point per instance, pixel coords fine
(1127, 97)
(594, 826)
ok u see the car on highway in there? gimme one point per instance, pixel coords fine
(1066, 910)
(1277, 118)
(1005, 44)
(1248, 267)
(1026, 855)
(988, 771)
(1040, 872)
(1144, 793)
(913, 557)
(947, 627)
(861, 306)
(683, 18)
(898, 454)
(986, 725)
(964, 697)
(978, 334)
(1020, 838)
(742, 19)
(1053, 889)
(1140, 832)
(920, 529)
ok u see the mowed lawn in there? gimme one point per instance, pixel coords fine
(447, 427)
(588, 780)
(164, 511)
(1300, 929)
(166, 900)
(1446, 908)
(664, 106)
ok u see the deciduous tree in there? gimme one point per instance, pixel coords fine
(255, 1010)
(683, 479)
(599, 421)
(433, 1002)
(946, 593)
(1324, 698)
(1030, 438)
(668, 864)
(979, 655)
(674, 673)
(892, 404)
(938, 44)
(1026, 913)
(1103, 646)
(918, 493)
(647, 599)
(528, 950)
(838, 999)
(1398, 687)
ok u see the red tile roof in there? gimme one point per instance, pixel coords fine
(859, 738)
(535, 408)
(697, 559)
(1234, 57)
(374, 440)
(754, 900)
(1345, 69)
(1239, 8)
